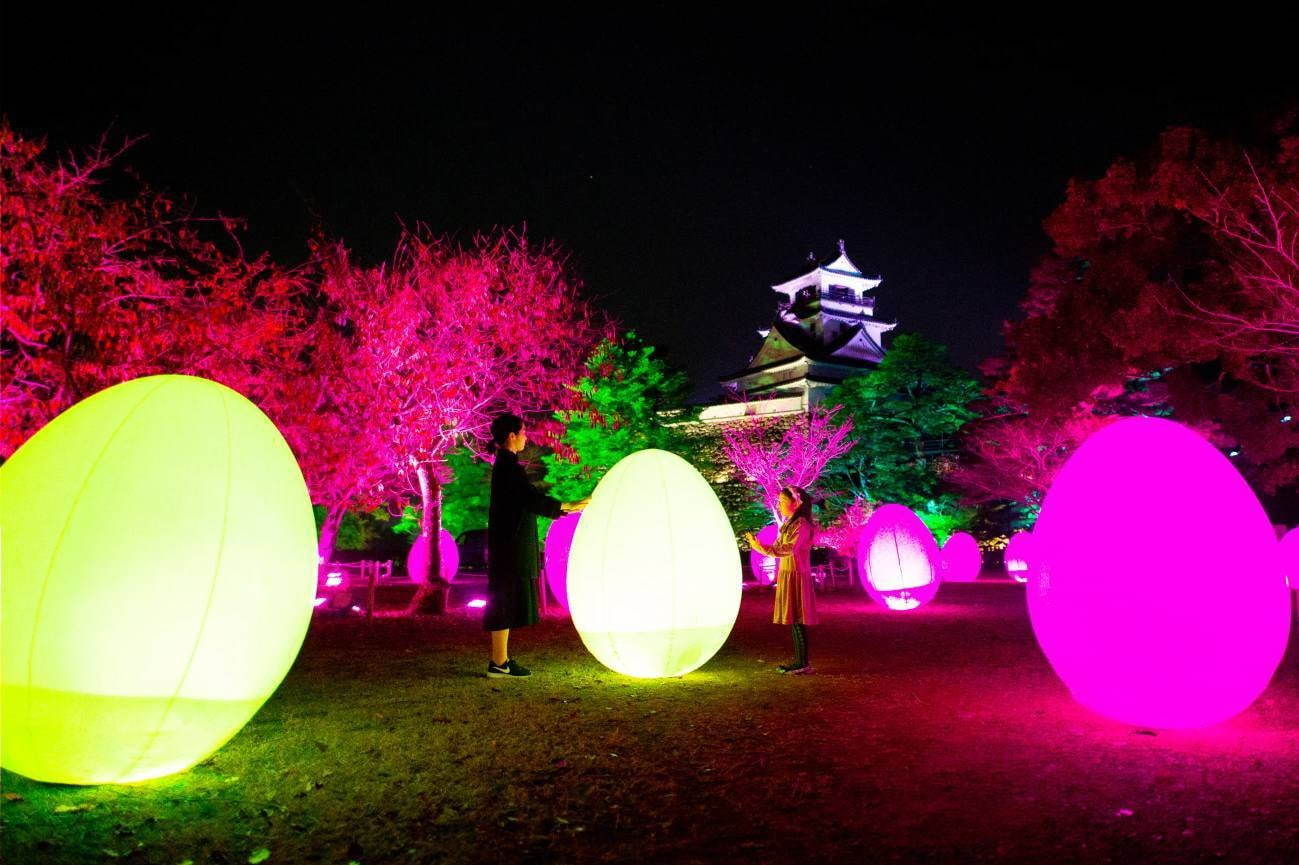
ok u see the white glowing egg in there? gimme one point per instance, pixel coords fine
(1018, 556)
(653, 572)
(159, 564)
(898, 559)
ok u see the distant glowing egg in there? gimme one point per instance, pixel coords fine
(898, 559)
(417, 561)
(159, 563)
(1289, 549)
(763, 567)
(1155, 590)
(559, 541)
(653, 573)
(1019, 556)
(960, 559)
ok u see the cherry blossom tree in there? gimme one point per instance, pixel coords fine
(772, 459)
(97, 291)
(430, 346)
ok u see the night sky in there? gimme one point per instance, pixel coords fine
(687, 163)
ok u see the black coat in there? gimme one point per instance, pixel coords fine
(512, 552)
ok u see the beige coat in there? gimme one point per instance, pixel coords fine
(795, 595)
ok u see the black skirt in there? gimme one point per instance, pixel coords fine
(512, 605)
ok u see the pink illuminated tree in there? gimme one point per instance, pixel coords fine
(771, 459)
(97, 291)
(1169, 290)
(432, 345)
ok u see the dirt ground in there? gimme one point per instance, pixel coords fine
(939, 735)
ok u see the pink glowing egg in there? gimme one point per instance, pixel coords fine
(559, 538)
(1019, 556)
(1155, 589)
(897, 558)
(417, 559)
(960, 560)
(764, 567)
(1290, 558)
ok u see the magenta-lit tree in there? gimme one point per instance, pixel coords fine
(98, 291)
(841, 535)
(772, 459)
(429, 347)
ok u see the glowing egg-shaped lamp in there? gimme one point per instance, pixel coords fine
(1290, 557)
(559, 540)
(1018, 556)
(763, 567)
(159, 563)
(897, 558)
(1155, 589)
(960, 559)
(654, 573)
(417, 561)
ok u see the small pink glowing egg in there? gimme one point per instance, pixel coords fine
(960, 560)
(417, 559)
(1290, 558)
(764, 567)
(898, 559)
(559, 538)
(1155, 589)
(1019, 556)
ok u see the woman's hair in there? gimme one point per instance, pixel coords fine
(804, 500)
(504, 425)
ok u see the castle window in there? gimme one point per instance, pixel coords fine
(843, 293)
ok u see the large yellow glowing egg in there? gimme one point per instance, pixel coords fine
(159, 566)
(654, 572)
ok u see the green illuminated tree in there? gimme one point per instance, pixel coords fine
(629, 400)
(905, 415)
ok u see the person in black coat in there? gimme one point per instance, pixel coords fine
(512, 552)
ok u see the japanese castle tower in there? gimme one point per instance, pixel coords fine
(825, 331)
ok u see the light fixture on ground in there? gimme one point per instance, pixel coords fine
(960, 559)
(559, 541)
(763, 567)
(1018, 556)
(653, 573)
(1155, 589)
(159, 567)
(897, 558)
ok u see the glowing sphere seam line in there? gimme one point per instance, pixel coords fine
(604, 565)
(667, 510)
(58, 546)
(207, 607)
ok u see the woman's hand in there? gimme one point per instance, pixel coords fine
(750, 540)
(574, 507)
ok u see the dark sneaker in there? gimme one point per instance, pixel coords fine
(507, 670)
(805, 670)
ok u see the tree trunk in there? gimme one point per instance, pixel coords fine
(329, 533)
(430, 597)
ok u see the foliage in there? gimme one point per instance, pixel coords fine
(842, 532)
(905, 412)
(1171, 288)
(771, 458)
(97, 291)
(358, 530)
(628, 400)
(464, 499)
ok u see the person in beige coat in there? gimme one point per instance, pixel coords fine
(795, 597)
